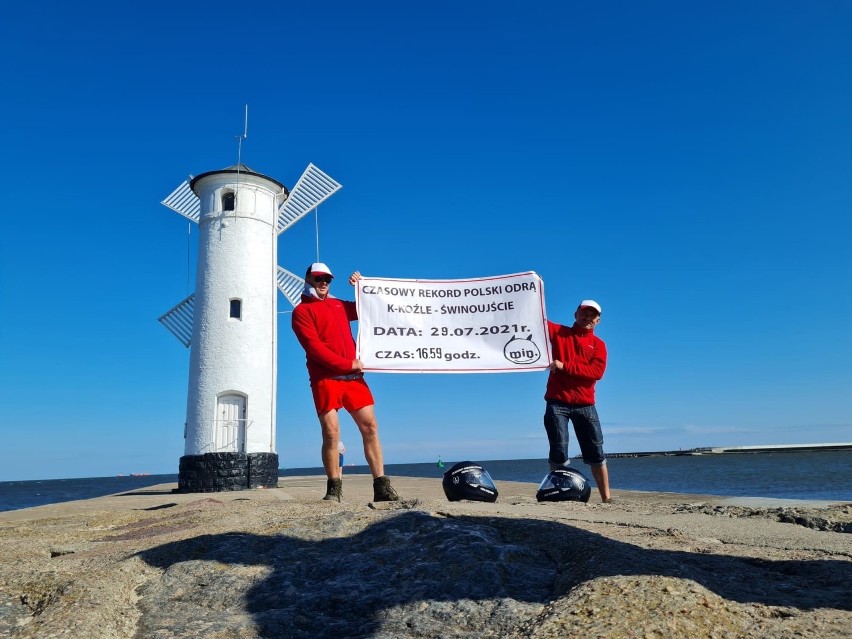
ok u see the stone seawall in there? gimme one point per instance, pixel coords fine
(283, 563)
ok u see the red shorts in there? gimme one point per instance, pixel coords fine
(333, 394)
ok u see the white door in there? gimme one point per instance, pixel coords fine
(231, 424)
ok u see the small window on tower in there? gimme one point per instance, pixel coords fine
(228, 201)
(236, 309)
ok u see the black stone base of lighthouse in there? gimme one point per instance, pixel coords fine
(217, 472)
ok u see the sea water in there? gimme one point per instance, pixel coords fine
(813, 475)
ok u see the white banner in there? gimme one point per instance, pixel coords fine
(485, 325)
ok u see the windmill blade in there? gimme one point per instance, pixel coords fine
(313, 188)
(291, 285)
(179, 320)
(185, 202)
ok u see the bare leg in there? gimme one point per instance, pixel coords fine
(365, 419)
(330, 434)
(601, 475)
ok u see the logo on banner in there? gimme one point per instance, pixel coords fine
(521, 350)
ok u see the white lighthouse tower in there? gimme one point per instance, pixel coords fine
(230, 323)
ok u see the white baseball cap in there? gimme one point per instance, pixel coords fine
(591, 304)
(319, 268)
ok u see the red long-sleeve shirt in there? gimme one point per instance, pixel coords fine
(584, 355)
(322, 328)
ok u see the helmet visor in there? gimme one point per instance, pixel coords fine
(557, 480)
(477, 477)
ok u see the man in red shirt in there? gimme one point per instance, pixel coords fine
(579, 361)
(321, 324)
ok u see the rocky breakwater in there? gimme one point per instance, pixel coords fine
(281, 563)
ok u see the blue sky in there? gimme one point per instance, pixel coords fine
(688, 165)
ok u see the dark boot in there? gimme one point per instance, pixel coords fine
(383, 491)
(334, 490)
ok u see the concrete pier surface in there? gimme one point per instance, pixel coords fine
(283, 563)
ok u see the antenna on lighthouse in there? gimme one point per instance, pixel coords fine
(240, 139)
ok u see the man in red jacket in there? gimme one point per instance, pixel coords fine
(321, 324)
(579, 361)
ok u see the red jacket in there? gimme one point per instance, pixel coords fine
(584, 356)
(322, 328)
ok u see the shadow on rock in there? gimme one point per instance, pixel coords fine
(423, 575)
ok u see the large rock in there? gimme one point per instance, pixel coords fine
(282, 563)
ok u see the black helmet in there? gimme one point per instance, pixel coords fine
(564, 484)
(469, 480)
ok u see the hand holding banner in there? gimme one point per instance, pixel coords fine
(486, 325)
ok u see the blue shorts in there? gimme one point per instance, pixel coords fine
(587, 428)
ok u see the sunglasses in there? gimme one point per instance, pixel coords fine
(323, 278)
